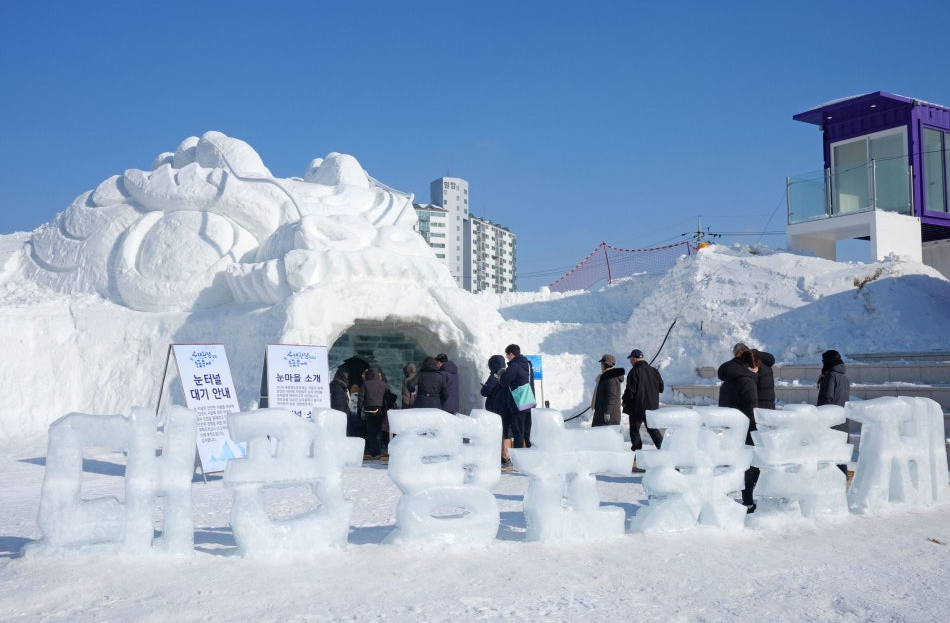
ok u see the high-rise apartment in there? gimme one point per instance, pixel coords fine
(479, 254)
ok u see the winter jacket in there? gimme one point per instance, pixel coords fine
(515, 375)
(409, 385)
(339, 396)
(495, 399)
(738, 390)
(431, 387)
(451, 373)
(766, 381)
(372, 394)
(642, 393)
(606, 400)
(833, 386)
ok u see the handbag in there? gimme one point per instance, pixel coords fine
(524, 397)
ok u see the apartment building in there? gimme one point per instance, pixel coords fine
(479, 254)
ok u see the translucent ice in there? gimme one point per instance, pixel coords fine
(445, 479)
(69, 522)
(798, 453)
(903, 458)
(562, 500)
(307, 453)
(690, 479)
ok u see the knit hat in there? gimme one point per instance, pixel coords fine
(609, 360)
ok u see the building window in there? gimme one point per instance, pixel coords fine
(936, 169)
(871, 172)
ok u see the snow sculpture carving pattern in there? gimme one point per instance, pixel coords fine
(209, 225)
(69, 522)
(903, 458)
(799, 453)
(435, 469)
(702, 461)
(309, 452)
(561, 502)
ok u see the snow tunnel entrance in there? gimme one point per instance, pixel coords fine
(387, 347)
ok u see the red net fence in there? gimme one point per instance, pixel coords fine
(607, 263)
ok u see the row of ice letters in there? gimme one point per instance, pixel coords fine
(442, 461)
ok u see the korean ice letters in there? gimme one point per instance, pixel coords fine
(69, 522)
(689, 479)
(562, 500)
(306, 453)
(445, 464)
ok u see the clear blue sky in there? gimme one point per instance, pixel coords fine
(574, 123)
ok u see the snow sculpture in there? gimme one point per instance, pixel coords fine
(306, 453)
(798, 453)
(561, 501)
(689, 480)
(69, 522)
(442, 461)
(903, 457)
(209, 225)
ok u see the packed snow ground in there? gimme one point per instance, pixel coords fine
(887, 568)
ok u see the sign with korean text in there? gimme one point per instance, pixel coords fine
(209, 391)
(298, 378)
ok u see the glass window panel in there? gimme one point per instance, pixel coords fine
(850, 177)
(934, 182)
(891, 183)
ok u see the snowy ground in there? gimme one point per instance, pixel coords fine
(890, 568)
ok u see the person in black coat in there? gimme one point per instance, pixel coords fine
(431, 388)
(371, 406)
(642, 393)
(496, 401)
(517, 373)
(451, 373)
(834, 388)
(766, 379)
(607, 391)
(340, 400)
(739, 391)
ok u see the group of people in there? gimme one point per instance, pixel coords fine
(367, 404)
(640, 394)
(749, 382)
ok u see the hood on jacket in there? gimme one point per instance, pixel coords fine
(830, 359)
(429, 365)
(371, 374)
(409, 370)
(496, 363)
(342, 375)
(449, 367)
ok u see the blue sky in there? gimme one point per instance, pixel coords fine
(574, 123)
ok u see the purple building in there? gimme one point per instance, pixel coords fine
(886, 179)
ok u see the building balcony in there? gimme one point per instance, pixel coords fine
(884, 184)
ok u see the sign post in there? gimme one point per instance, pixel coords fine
(298, 378)
(209, 391)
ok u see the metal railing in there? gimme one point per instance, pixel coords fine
(876, 185)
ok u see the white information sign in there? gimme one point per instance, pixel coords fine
(209, 391)
(298, 378)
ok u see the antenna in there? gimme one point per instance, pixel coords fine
(700, 234)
